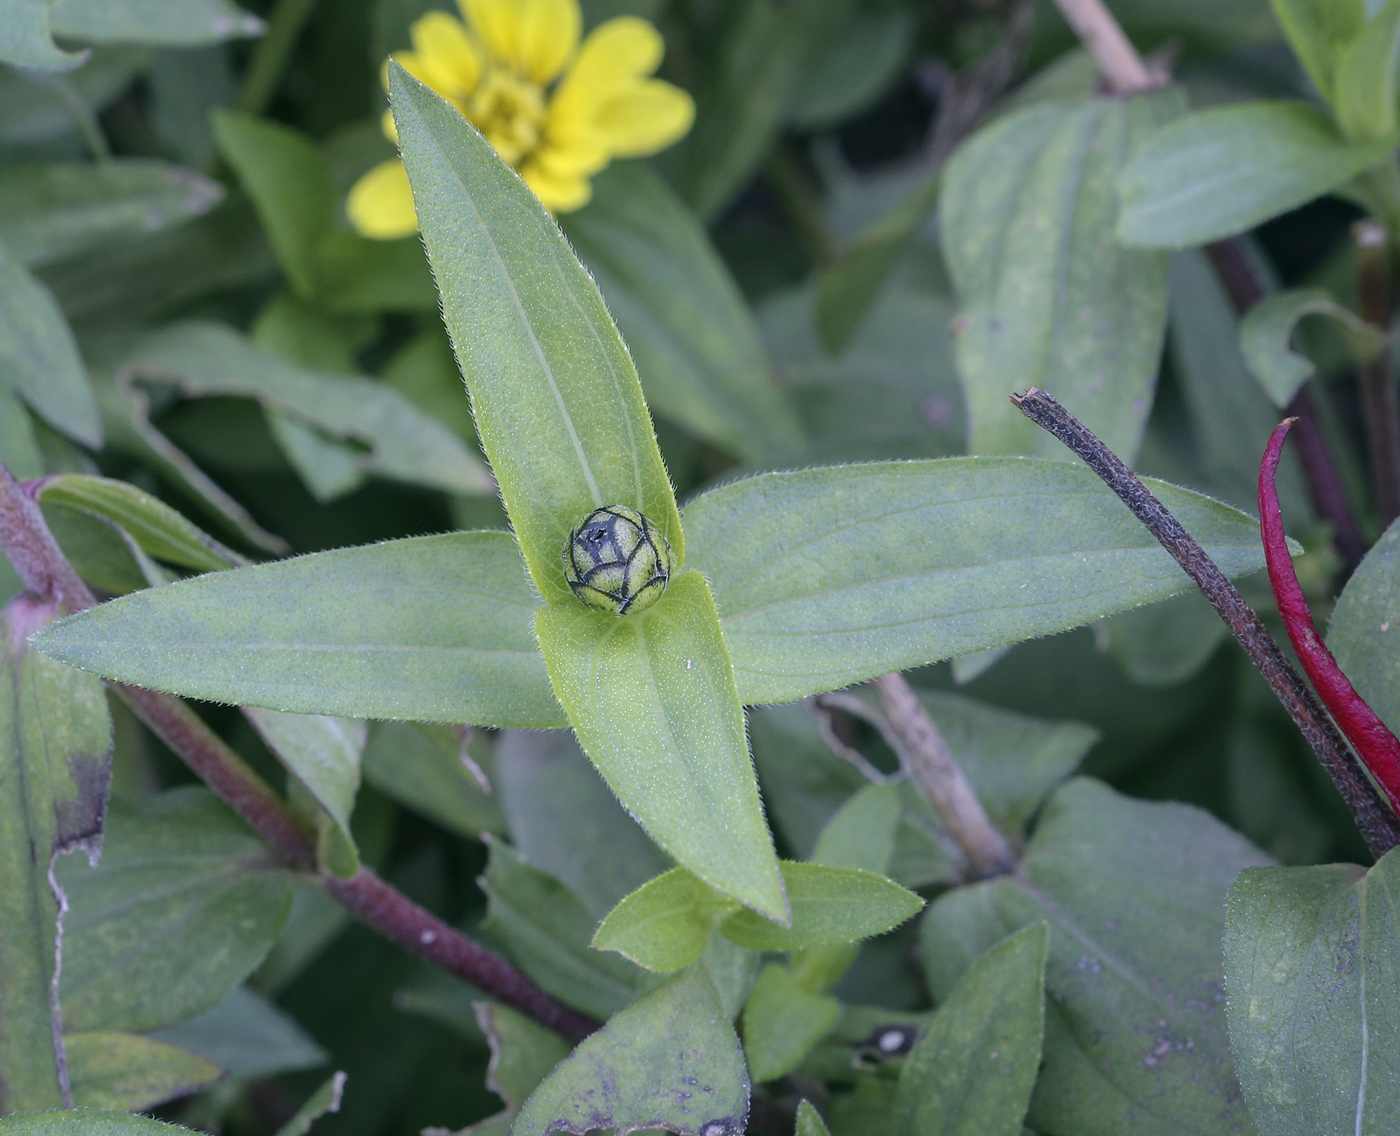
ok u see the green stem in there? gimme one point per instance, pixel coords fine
(271, 55)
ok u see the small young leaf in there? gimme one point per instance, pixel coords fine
(972, 1073)
(652, 700)
(127, 1071)
(1267, 330)
(547, 932)
(185, 903)
(1313, 978)
(830, 906)
(809, 1121)
(430, 628)
(1220, 171)
(670, 1060)
(55, 747)
(782, 1022)
(664, 924)
(557, 403)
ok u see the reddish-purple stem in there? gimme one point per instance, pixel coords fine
(1377, 747)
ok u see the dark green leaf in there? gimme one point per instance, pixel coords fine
(432, 628)
(557, 403)
(920, 561)
(1050, 298)
(809, 1121)
(52, 210)
(522, 1055)
(670, 1060)
(55, 744)
(852, 69)
(1314, 989)
(185, 903)
(1267, 331)
(1133, 891)
(39, 358)
(130, 1072)
(318, 1104)
(782, 1022)
(429, 769)
(971, 1074)
(1224, 170)
(1365, 628)
(687, 325)
(548, 933)
(1166, 643)
(830, 906)
(652, 700)
(170, 23)
(247, 1036)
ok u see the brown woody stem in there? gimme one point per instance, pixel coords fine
(26, 540)
(1119, 61)
(1379, 826)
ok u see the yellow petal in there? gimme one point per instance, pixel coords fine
(579, 155)
(549, 31)
(380, 204)
(645, 118)
(557, 193)
(449, 61)
(497, 25)
(615, 53)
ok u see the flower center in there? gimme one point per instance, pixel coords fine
(510, 112)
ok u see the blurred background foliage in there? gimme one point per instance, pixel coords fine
(176, 200)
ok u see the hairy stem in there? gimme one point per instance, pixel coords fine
(1378, 395)
(1378, 824)
(31, 548)
(932, 767)
(1119, 61)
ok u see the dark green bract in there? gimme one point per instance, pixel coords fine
(617, 560)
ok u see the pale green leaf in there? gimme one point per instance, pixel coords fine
(428, 768)
(168, 23)
(150, 522)
(1313, 975)
(38, 356)
(862, 833)
(1367, 87)
(1319, 31)
(971, 1074)
(664, 924)
(204, 359)
(1364, 634)
(56, 209)
(809, 1121)
(547, 932)
(247, 1036)
(432, 628)
(19, 445)
(832, 576)
(184, 904)
(324, 1100)
(1050, 299)
(1267, 331)
(26, 39)
(323, 754)
(556, 399)
(782, 1022)
(55, 745)
(130, 1072)
(86, 1122)
(651, 697)
(830, 906)
(1224, 170)
(1135, 1035)
(673, 1059)
(688, 327)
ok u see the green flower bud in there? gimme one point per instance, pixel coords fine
(617, 560)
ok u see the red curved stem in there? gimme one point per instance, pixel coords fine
(1377, 747)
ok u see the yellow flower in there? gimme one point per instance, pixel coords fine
(555, 109)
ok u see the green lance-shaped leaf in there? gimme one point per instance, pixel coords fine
(832, 576)
(665, 924)
(184, 905)
(1319, 31)
(53, 210)
(55, 743)
(558, 406)
(783, 1021)
(431, 628)
(26, 39)
(86, 1122)
(670, 1060)
(1365, 96)
(809, 1121)
(109, 1069)
(1224, 170)
(1312, 964)
(38, 356)
(972, 1073)
(166, 23)
(1267, 330)
(651, 697)
(1049, 297)
(684, 318)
